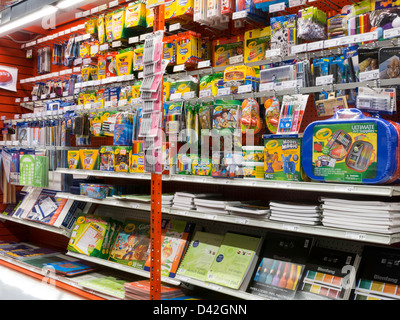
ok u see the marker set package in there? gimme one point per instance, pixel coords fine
(151, 94)
(291, 113)
(373, 100)
(351, 147)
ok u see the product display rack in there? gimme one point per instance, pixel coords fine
(307, 51)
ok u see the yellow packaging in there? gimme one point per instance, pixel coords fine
(101, 29)
(184, 8)
(136, 90)
(136, 162)
(135, 15)
(253, 170)
(121, 158)
(118, 24)
(84, 50)
(166, 90)
(187, 49)
(89, 97)
(91, 26)
(73, 159)
(85, 72)
(149, 17)
(124, 62)
(170, 9)
(94, 72)
(138, 58)
(89, 159)
(256, 42)
(108, 23)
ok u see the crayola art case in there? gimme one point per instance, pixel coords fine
(350, 147)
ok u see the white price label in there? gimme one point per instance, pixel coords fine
(189, 95)
(356, 236)
(369, 75)
(17, 100)
(241, 221)
(391, 33)
(113, 4)
(245, 88)
(323, 80)
(52, 95)
(179, 67)
(277, 7)
(203, 64)
(295, 3)
(76, 69)
(116, 44)
(239, 15)
(299, 48)
(174, 27)
(223, 91)
(205, 93)
(77, 61)
(133, 40)
(330, 43)
(43, 96)
(290, 227)
(369, 36)
(65, 94)
(318, 45)
(86, 36)
(122, 102)
(176, 96)
(236, 59)
(267, 86)
(273, 53)
(94, 10)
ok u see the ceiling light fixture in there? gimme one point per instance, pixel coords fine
(28, 19)
(67, 3)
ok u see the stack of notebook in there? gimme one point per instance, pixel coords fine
(251, 210)
(140, 290)
(213, 205)
(301, 213)
(361, 215)
(185, 200)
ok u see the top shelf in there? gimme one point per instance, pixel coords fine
(355, 189)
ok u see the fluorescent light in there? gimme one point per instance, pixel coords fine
(67, 3)
(47, 10)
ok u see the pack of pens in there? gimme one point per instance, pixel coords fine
(291, 115)
(376, 100)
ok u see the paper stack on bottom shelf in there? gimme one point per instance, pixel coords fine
(302, 213)
(185, 200)
(213, 205)
(360, 215)
(251, 210)
(140, 290)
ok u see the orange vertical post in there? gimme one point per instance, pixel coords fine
(156, 197)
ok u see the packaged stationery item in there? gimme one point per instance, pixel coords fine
(272, 112)
(282, 157)
(73, 159)
(253, 170)
(89, 159)
(187, 48)
(226, 114)
(250, 122)
(225, 48)
(96, 191)
(135, 15)
(292, 111)
(118, 24)
(121, 158)
(256, 42)
(136, 157)
(124, 62)
(201, 167)
(350, 147)
(253, 154)
(283, 33)
(227, 164)
(107, 158)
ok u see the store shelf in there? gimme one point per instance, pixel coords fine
(319, 230)
(356, 189)
(37, 225)
(122, 267)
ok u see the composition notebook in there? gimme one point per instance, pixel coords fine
(200, 255)
(235, 257)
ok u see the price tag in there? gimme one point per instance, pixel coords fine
(122, 102)
(43, 96)
(94, 10)
(239, 15)
(391, 33)
(174, 27)
(241, 221)
(356, 236)
(295, 3)
(245, 88)
(224, 91)
(140, 75)
(176, 96)
(290, 227)
(17, 100)
(318, 45)
(203, 64)
(369, 36)
(299, 48)
(323, 80)
(273, 53)
(52, 95)
(87, 106)
(236, 59)
(76, 69)
(113, 4)
(129, 77)
(133, 40)
(277, 7)
(330, 43)
(77, 61)
(78, 38)
(189, 95)
(86, 13)
(179, 67)
(266, 86)
(86, 36)
(34, 98)
(116, 44)
(369, 75)
(103, 7)
(205, 93)
(210, 216)
(65, 94)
